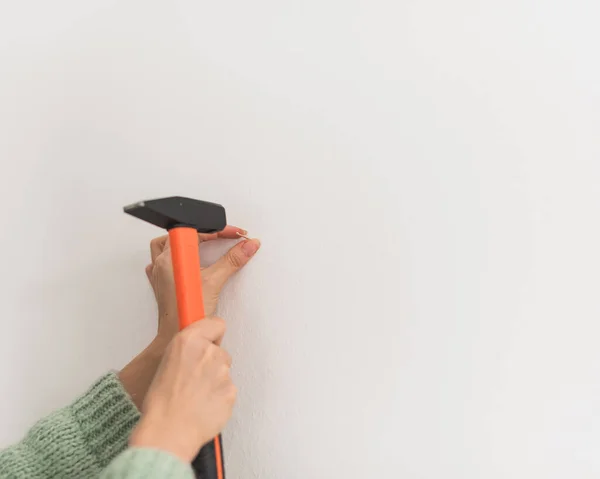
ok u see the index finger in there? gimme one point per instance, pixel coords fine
(229, 232)
(158, 245)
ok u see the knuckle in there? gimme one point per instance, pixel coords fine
(232, 393)
(184, 339)
(162, 261)
(220, 324)
(190, 338)
(224, 372)
(227, 358)
(212, 350)
(234, 259)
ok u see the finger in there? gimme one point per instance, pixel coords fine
(223, 357)
(234, 260)
(219, 362)
(157, 246)
(212, 329)
(230, 232)
(223, 374)
(229, 392)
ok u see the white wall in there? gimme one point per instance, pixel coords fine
(425, 180)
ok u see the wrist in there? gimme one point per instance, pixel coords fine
(168, 327)
(137, 376)
(155, 433)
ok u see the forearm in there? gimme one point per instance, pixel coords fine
(89, 438)
(145, 463)
(80, 440)
(77, 441)
(137, 376)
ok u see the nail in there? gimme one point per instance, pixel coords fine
(242, 232)
(250, 247)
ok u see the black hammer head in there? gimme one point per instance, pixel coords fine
(177, 211)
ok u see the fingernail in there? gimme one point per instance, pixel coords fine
(242, 232)
(250, 247)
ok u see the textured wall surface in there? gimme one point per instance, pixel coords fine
(424, 177)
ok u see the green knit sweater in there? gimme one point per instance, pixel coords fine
(89, 439)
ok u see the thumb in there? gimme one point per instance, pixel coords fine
(234, 260)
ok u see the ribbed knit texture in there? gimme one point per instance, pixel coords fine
(140, 463)
(80, 440)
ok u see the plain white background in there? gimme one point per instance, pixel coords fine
(424, 178)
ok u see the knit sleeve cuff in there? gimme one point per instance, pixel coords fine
(145, 463)
(106, 416)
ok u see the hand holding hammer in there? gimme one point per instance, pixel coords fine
(192, 384)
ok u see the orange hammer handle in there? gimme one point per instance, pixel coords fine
(188, 277)
(190, 306)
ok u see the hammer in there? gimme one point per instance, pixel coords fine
(184, 218)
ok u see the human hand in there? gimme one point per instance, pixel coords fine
(137, 375)
(214, 277)
(192, 396)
